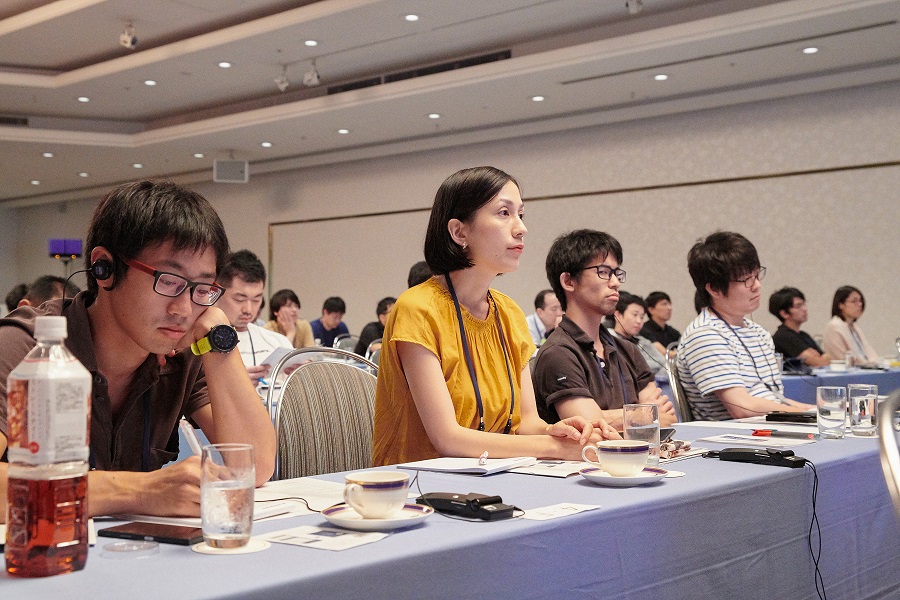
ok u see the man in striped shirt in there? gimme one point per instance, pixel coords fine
(726, 362)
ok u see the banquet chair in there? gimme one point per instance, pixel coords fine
(679, 399)
(374, 346)
(346, 341)
(890, 454)
(324, 413)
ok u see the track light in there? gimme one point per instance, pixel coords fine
(634, 6)
(282, 82)
(311, 77)
(127, 37)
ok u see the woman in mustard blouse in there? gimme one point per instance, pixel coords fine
(451, 390)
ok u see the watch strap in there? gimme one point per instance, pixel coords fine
(201, 346)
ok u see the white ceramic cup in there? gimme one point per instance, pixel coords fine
(619, 458)
(376, 494)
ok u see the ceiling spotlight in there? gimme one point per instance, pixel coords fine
(343, 131)
(83, 99)
(434, 116)
(47, 155)
(149, 82)
(634, 6)
(411, 18)
(198, 155)
(138, 166)
(537, 98)
(810, 50)
(311, 78)
(225, 64)
(35, 182)
(660, 77)
(282, 82)
(311, 43)
(127, 37)
(83, 174)
(266, 144)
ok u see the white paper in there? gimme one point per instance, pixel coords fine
(475, 466)
(555, 511)
(323, 538)
(750, 440)
(551, 468)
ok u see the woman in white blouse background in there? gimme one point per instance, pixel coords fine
(842, 334)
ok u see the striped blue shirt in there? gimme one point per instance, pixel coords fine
(711, 357)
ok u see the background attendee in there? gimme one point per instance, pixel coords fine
(244, 278)
(626, 323)
(330, 325)
(375, 330)
(657, 329)
(48, 287)
(546, 316)
(582, 370)
(789, 306)
(153, 251)
(726, 362)
(842, 334)
(435, 399)
(418, 273)
(15, 295)
(284, 308)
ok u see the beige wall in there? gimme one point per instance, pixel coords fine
(816, 231)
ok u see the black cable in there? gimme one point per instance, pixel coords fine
(303, 500)
(817, 554)
(454, 517)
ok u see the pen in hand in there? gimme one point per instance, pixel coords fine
(188, 431)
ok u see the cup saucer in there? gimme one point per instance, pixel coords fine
(344, 516)
(601, 477)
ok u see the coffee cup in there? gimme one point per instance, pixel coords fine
(619, 458)
(376, 494)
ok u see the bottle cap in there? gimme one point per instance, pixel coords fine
(53, 328)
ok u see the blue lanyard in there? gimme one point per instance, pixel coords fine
(470, 364)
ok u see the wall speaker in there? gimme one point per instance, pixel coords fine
(231, 171)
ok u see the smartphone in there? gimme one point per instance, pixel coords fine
(666, 433)
(164, 534)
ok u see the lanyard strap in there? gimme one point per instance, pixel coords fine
(772, 387)
(470, 364)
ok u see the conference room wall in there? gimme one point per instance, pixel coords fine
(652, 183)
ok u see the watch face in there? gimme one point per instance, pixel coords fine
(223, 338)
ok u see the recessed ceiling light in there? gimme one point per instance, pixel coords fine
(82, 174)
(138, 166)
(47, 155)
(311, 43)
(343, 131)
(434, 116)
(198, 155)
(537, 98)
(35, 182)
(225, 65)
(149, 82)
(810, 50)
(411, 18)
(83, 99)
(266, 144)
(660, 77)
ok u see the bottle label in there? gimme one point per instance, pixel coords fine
(48, 419)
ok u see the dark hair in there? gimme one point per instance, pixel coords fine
(459, 197)
(540, 301)
(626, 300)
(717, 261)
(15, 295)
(335, 304)
(783, 299)
(243, 264)
(384, 305)
(654, 298)
(46, 288)
(418, 273)
(840, 296)
(279, 299)
(574, 250)
(137, 215)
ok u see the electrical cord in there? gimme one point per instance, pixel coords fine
(455, 517)
(814, 522)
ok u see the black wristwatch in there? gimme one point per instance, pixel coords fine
(221, 338)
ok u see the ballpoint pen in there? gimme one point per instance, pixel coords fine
(784, 434)
(188, 430)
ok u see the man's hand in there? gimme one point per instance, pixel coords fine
(173, 490)
(257, 372)
(651, 394)
(208, 319)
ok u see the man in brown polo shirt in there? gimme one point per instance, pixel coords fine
(154, 249)
(582, 370)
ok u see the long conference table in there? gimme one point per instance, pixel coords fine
(723, 530)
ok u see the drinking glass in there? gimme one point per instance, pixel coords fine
(227, 478)
(642, 423)
(831, 403)
(863, 400)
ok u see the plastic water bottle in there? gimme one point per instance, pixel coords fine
(49, 408)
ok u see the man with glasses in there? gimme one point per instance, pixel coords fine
(788, 305)
(726, 362)
(582, 370)
(156, 347)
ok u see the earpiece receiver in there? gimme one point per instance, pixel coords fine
(102, 269)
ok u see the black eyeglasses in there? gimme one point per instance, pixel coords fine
(748, 280)
(604, 272)
(171, 285)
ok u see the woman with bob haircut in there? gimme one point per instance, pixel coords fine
(284, 307)
(841, 333)
(454, 377)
